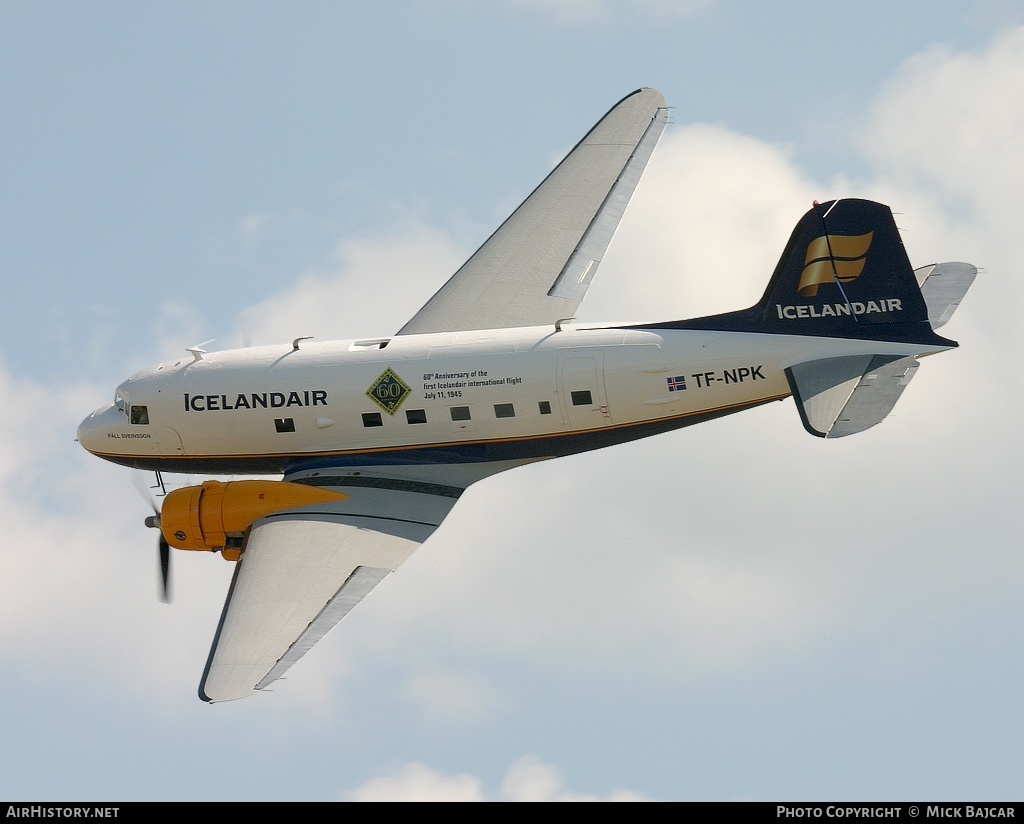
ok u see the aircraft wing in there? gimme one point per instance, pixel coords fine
(303, 569)
(536, 268)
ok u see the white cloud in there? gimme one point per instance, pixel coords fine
(370, 288)
(417, 782)
(459, 697)
(251, 225)
(608, 11)
(706, 226)
(947, 137)
(953, 123)
(528, 779)
(78, 574)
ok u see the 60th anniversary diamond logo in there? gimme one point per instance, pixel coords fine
(388, 391)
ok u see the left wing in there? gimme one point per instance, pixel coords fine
(303, 569)
(536, 268)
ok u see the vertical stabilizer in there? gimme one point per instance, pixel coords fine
(843, 269)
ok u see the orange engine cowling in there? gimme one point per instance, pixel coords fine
(205, 516)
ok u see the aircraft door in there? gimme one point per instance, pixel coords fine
(168, 442)
(581, 388)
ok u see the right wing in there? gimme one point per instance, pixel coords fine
(536, 268)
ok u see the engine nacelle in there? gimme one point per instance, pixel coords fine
(204, 517)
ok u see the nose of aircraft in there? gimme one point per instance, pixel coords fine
(92, 432)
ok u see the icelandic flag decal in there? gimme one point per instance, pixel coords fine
(677, 384)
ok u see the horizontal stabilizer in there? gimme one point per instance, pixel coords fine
(944, 286)
(843, 396)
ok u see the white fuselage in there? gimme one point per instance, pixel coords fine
(488, 396)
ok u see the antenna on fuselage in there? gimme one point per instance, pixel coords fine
(197, 349)
(295, 343)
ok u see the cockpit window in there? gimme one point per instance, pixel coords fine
(121, 403)
(140, 415)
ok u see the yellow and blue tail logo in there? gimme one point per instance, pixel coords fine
(833, 257)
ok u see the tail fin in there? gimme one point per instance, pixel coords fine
(844, 273)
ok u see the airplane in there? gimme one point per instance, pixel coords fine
(375, 439)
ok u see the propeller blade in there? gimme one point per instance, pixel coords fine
(165, 570)
(140, 484)
(163, 548)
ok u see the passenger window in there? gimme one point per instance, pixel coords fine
(504, 410)
(460, 413)
(581, 398)
(416, 415)
(140, 415)
(284, 424)
(372, 419)
(545, 407)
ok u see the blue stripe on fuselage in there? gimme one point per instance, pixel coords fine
(527, 448)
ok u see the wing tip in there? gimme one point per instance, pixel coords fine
(648, 95)
(206, 698)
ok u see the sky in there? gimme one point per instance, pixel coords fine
(737, 611)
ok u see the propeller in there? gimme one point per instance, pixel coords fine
(163, 548)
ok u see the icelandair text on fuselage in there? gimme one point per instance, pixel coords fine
(834, 310)
(255, 400)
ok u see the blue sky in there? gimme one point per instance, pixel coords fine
(737, 611)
